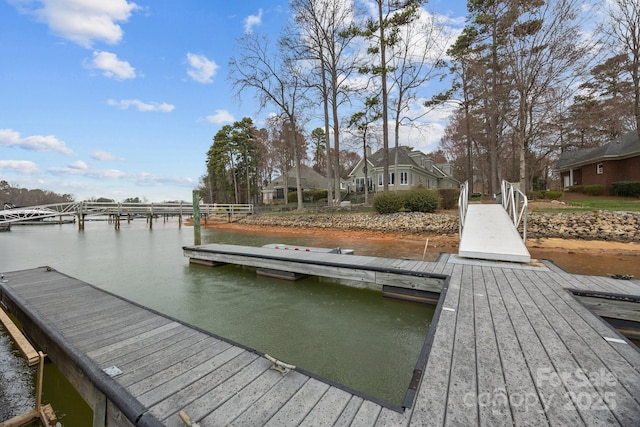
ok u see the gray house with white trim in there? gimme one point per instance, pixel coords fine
(282, 185)
(415, 169)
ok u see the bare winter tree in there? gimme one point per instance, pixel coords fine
(360, 123)
(382, 30)
(625, 29)
(546, 51)
(276, 80)
(415, 59)
(322, 38)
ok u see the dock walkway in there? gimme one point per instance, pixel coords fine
(489, 233)
(509, 345)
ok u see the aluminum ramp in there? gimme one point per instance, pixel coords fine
(489, 233)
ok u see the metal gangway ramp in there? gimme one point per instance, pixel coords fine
(490, 231)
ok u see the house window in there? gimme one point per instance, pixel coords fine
(391, 178)
(599, 168)
(379, 179)
(404, 178)
(360, 183)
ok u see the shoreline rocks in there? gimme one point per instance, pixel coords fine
(596, 225)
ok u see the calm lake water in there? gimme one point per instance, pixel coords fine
(350, 335)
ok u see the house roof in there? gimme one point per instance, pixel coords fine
(406, 157)
(625, 146)
(309, 179)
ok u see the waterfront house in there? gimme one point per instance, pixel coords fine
(309, 180)
(616, 161)
(415, 169)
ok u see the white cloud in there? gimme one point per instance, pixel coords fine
(103, 156)
(201, 68)
(22, 166)
(79, 169)
(221, 116)
(148, 179)
(110, 173)
(252, 21)
(141, 106)
(111, 66)
(81, 21)
(11, 138)
(86, 172)
(78, 164)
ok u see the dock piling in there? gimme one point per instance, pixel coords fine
(197, 238)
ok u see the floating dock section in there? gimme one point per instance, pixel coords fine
(509, 345)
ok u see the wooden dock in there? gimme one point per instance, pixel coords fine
(509, 345)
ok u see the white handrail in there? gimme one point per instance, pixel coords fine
(515, 202)
(463, 202)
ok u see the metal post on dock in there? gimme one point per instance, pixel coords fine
(118, 215)
(80, 218)
(197, 240)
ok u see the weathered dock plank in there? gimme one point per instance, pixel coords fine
(300, 404)
(212, 399)
(162, 384)
(602, 329)
(489, 372)
(328, 408)
(463, 380)
(264, 408)
(578, 356)
(349, 412)
(243, 399)
(615, 382)
(431, 400)
(518, 378)
(142, 341)
(367, 414)
(91, 332)
(535, 335)
(103, 308)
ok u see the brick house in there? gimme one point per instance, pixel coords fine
(614, 162)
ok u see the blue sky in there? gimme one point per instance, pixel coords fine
(122, 99)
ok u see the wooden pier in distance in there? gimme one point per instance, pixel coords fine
(509, 345)
(80, 211)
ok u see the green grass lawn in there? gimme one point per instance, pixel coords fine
(597, 203)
